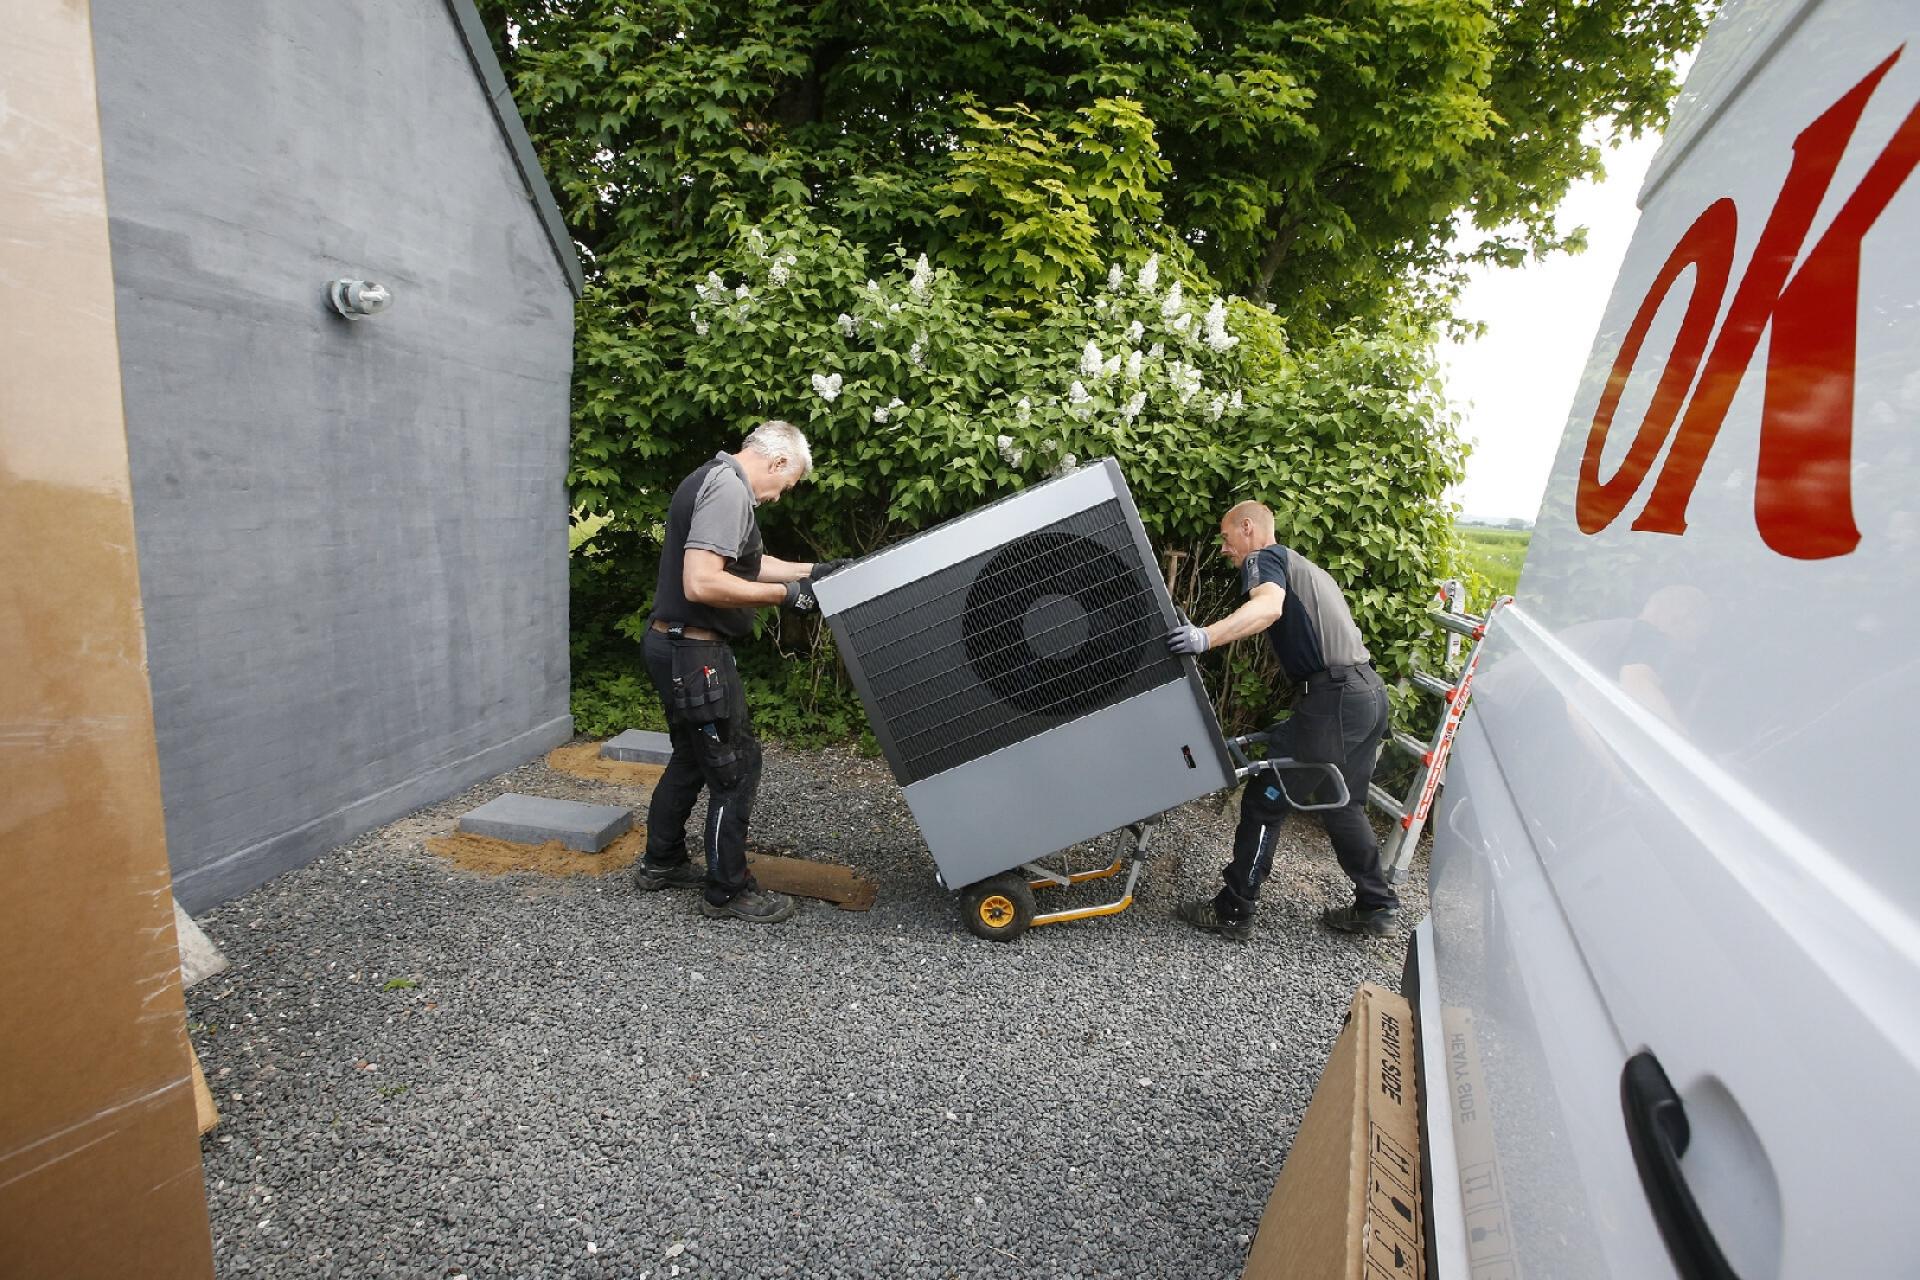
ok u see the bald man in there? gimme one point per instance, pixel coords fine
(1339, 717)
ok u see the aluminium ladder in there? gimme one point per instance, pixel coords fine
(1410, 813)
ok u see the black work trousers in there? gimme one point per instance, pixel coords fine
(720, 754)
(1264, 806)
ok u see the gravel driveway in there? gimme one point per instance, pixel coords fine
(425, 1072)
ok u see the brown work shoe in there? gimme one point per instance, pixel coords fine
(756, 906)
(1376, 922)
(1202, 914)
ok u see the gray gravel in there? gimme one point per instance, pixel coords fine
(584, 1081)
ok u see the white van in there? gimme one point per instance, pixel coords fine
(1669, 993)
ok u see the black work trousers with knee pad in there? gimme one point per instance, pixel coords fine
(1264, 807)
(714, 748)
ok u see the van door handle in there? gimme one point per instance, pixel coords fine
(1658, 1132)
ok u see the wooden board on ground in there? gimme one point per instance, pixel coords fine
(582, 760)
(803, 877)
(205, 1114)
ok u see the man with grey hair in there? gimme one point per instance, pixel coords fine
(1339, 717)
(714, 573)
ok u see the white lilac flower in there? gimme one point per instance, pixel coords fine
(845, 323)
(1234, 402)
(1216, 325)
(743, 293)
(1149, 274)
(701, 290)
(1155, 351)
(880, 413)
(1090, 359)
(1010, 453)
(1068, 462)
(916, 353)
(715, 284)
(1099, 304)
(873, 286)
(1171, 304)
(1111, 367)
(1115, 277)
(1051, 446)
(1024, 410)
(827, 386)
(1216, 407)
(1183, 322)
(757, 242)
(1077, 394)
(1134, 361)
(699, 325)
(777, 276)
(1136, 331)
(1131, 409)
(893, 306)
(922, 276)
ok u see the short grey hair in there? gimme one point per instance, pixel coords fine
(776, 439)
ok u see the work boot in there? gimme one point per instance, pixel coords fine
(683, 874)
(1374, 921)
(756, 906)
(1202, 914)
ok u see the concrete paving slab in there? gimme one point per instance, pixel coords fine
(538, 819)
(639, 746)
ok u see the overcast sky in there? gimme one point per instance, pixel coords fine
(1513, 387)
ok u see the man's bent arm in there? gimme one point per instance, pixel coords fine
(1262, 609)
(705, 580)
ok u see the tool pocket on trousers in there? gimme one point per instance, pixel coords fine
(723, 761)
(1317, 735)
(702, 681)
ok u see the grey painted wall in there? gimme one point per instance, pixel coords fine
(352, 536)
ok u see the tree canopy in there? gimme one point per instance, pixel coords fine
(1311, 154)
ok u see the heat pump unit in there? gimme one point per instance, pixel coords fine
(1013, 663)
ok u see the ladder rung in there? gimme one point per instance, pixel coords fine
(1467, 624)
(1433, 684)
(1411, 745)
(1385, 800)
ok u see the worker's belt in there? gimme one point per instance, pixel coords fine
(691, 633)
(1335, 675)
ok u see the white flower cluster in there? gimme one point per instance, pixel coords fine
(882, 412)
(827, 386)
(1221, 405)
(1174, 301)
(917, 353)
(1149, 276)
(777, 274)
(1090, 361)
(712, 289)
(1134, 362)
(1136, 331)
(1077, 400)
(1131, 409)
(1115, 277)
(699, 325)
(922, 276)
(1216, 326)
(1010, 453)
(845, 324)
(1185, 379)
(1023, 412)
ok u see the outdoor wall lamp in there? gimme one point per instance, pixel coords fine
(356, 299)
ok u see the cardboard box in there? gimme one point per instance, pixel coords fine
(1347, 1203)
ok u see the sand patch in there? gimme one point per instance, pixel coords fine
(583, 760)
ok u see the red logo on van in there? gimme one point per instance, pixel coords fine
(1803, 491)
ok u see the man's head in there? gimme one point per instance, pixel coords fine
(1244, 530)
(775, 457)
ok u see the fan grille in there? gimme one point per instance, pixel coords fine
(1047, 627)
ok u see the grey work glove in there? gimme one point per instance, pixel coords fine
(1189, 640)
(800, 596)
(822, 568)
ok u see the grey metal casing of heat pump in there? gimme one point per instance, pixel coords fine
(1081, 779)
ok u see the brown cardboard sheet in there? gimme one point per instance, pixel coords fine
(99, 1161)
(1347, 1203)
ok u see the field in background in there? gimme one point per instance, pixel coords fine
(1496, 555)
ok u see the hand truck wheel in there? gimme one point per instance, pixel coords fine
(998, 908)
